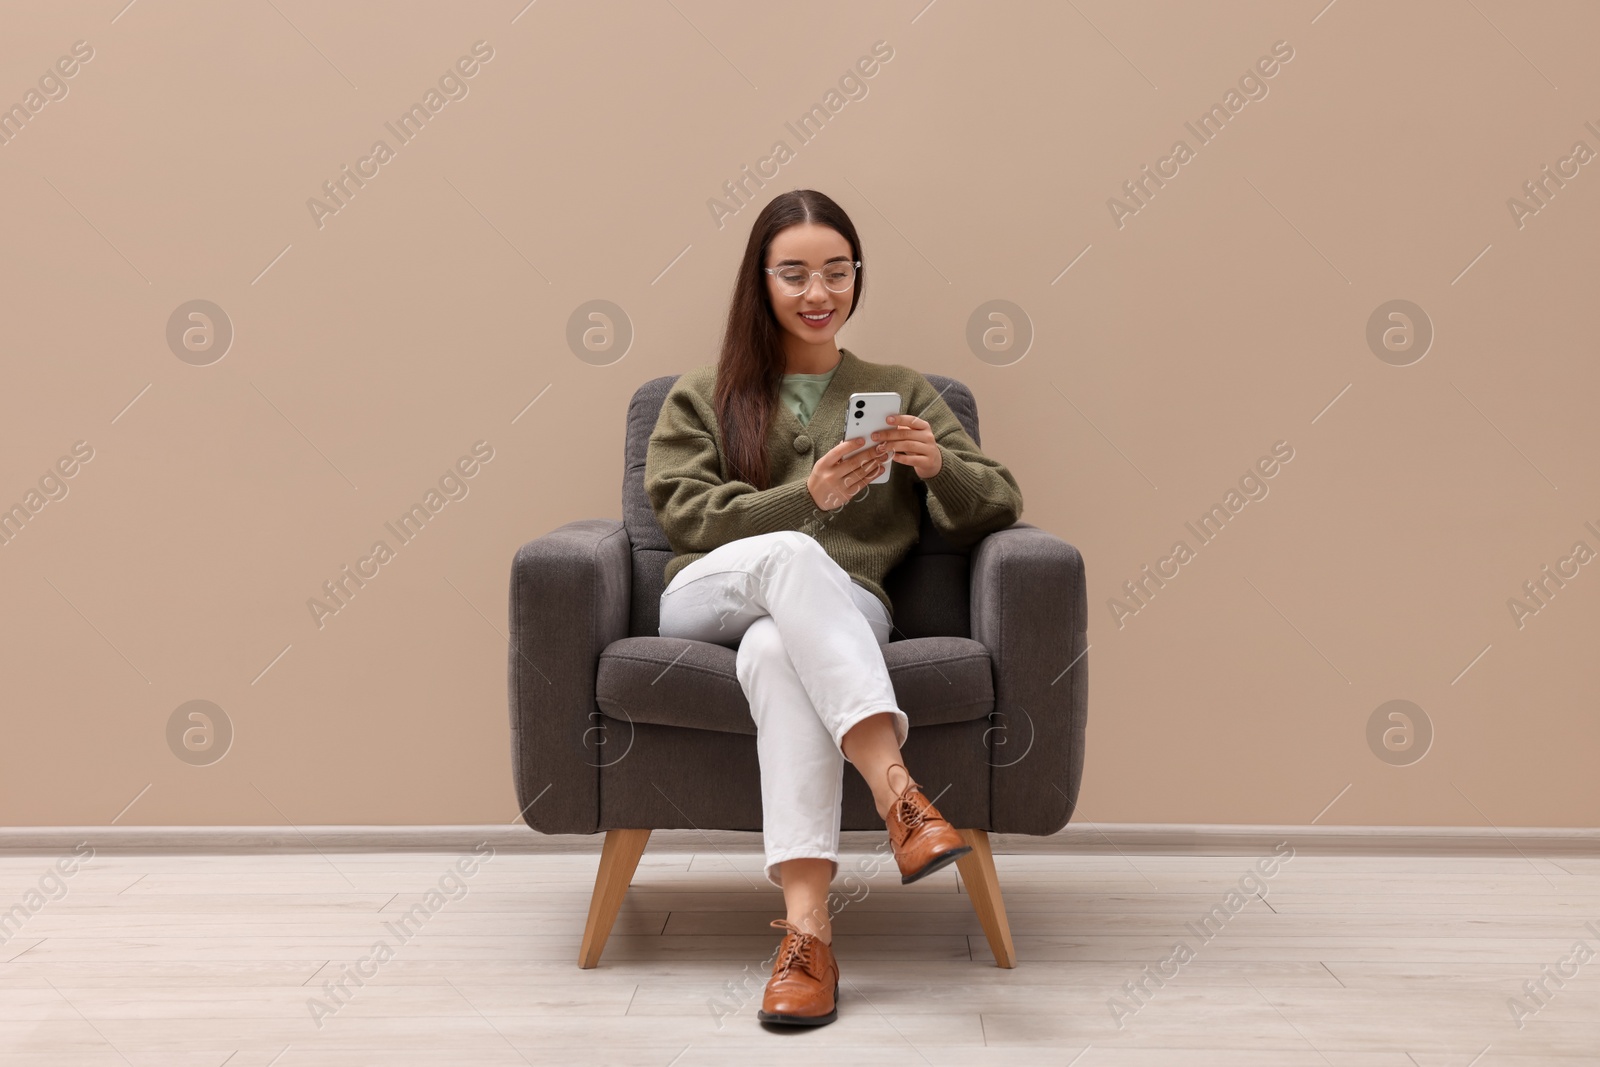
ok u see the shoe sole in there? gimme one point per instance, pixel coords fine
(939, 862)
(799, 1020)
(803, 1020)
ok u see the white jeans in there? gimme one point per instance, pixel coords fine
(811, 665)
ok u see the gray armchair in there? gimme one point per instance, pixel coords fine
(617, 729)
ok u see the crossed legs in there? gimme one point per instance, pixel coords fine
(811, 664)
(871, 747)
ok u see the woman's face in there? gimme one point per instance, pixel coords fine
(812, 248)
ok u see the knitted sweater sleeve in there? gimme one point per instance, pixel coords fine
(972, 495)
(697, 510)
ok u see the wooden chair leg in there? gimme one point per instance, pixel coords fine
(619, 856)
(983, 885)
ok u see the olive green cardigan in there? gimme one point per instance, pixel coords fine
(700, 509)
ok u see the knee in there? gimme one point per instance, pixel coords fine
(800, 547)
(786, 550)
(787, 544)
(761, 643)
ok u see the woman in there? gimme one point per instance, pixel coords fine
(781, 550)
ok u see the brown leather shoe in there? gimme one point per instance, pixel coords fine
(923, 840)
(804, 987)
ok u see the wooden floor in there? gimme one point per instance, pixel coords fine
(204, 960)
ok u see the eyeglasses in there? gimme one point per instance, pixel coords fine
(793, 280)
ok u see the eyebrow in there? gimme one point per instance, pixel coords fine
(802, 263)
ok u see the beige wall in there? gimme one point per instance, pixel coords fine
(374, 346)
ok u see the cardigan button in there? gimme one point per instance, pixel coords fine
(802, 443)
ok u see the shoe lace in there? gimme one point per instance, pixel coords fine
(912, 807)
(797, 948)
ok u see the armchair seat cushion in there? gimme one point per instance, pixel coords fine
(693, 684)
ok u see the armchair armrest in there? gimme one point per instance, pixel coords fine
(1030, 610)
(570, 594)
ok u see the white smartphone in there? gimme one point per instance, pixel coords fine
(867, 414)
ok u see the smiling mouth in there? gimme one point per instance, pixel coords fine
(824, 318)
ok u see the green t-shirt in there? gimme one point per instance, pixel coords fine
(802, 391)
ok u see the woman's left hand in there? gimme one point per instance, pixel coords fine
(911, 442)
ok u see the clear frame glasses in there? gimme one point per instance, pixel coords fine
(794, 280)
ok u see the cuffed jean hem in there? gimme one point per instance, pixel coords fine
(774, 859)
(902, 727)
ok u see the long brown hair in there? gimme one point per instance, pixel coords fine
(751, 366)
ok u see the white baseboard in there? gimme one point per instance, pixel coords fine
(1174, 838)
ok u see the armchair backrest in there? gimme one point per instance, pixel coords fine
(930, 587)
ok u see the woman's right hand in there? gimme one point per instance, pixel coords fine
(835, 480)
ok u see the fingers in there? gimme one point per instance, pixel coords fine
(864, 471)
(905, 428)
(838, 451)
(853, 472)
